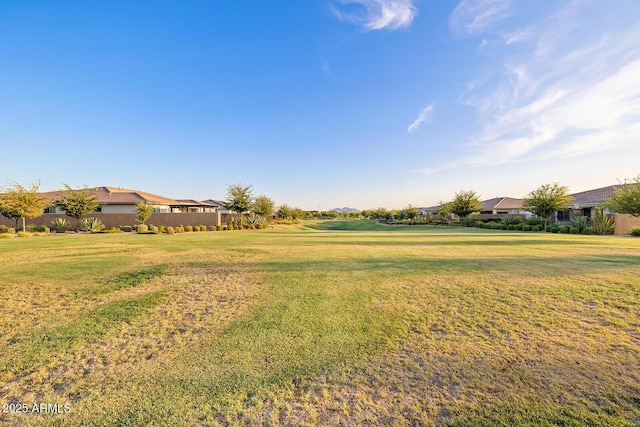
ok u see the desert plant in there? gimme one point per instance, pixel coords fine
(581, 223)
(90, 224)
(60, 225)
(603, 224)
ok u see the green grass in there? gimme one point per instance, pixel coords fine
(334, 322)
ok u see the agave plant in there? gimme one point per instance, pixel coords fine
(254, 219)
(581, 222)
(90, 224)
(60, 225)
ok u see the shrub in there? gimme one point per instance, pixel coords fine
(554, 229)
(581, 223)
(23, 234)
(127, 229)
(533, 221)
(526, 227)
(90, 224)
(635, 232)
(180, 229)
(6, 236)
(196, 228)
(142, 228)
(536, 228)
(587, 231)
(4, 228)
(154, 229)
(479, 224)
(171, 230)
(203, 227)
(508, 220)
(565, 229)
(502, 226)
(603, 224)
(259, 226)
(468, 222)
(188, 229)
(573, 230)
(219, 227)
(518, 226)
(60, 225)
(511, 227)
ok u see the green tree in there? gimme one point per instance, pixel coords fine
(444, 210)
(546, 200)
(465, 203)
(143, 211)
(285, 211)
(409, 212)
(626, 199)
(239, 197)
(21, 202)
(263, 205)
(77, 202)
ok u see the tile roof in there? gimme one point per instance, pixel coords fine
(501, 203)
(117, 196)
(594, 197)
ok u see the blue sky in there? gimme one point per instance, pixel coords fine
(321, 104)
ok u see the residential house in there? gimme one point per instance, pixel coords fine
(502, 206)
(586, 203)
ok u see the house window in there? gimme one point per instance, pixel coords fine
(563, 216)
(586, 212)
(50, 210)
(99, 209)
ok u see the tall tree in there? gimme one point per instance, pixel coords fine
(546, 200)
(626, 199)
(77, 202)
(263, 205)
(465, 203)
(21, 202)
(143, 211)
(239, 197)
(444, 210)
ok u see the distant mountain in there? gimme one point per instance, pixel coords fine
(344, 210)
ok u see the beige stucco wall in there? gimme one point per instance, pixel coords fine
(625, 223)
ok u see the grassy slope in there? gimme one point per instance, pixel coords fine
(334, 323)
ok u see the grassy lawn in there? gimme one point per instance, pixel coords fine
(332, 323)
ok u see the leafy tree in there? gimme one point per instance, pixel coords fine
(409, 212)
(444, 210)
(626, 199)
(20, 202)
(77, 202)
(546, 200)
(143, 211)
(263, 205)
(239, 198)
(464, 203)
(285, 211)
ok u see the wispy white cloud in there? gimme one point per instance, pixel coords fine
(377, 14)
(475, 16)
(578, 96)
(423, 117)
